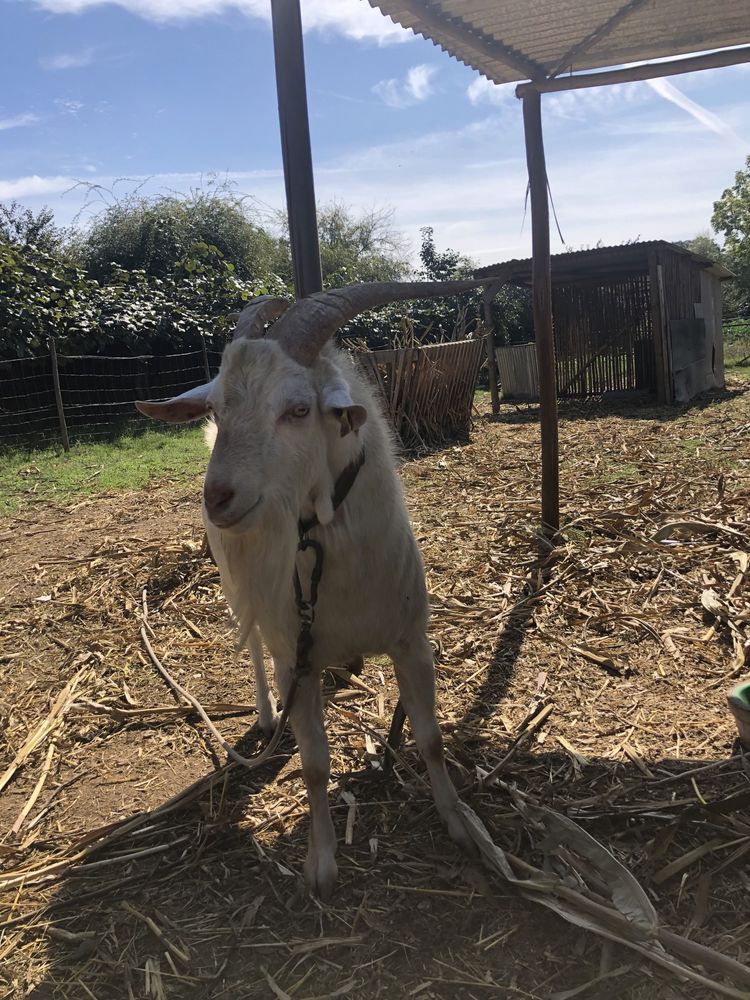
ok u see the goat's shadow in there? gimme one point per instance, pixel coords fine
(210, 905)
(220, 880)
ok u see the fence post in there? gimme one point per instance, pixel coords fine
(205, 359)
(58, 394)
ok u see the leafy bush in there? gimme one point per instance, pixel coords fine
(154, 275)
(155, 235)
(42, 296)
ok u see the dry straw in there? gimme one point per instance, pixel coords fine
(581, 690)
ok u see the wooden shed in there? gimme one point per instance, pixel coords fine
(641, 317)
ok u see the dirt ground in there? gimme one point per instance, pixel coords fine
(591, 673)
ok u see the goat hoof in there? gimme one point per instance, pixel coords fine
(321, 872)
(458, 832)
(269, 723)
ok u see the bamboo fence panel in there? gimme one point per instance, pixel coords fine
(427, 391)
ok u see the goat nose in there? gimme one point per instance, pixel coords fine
(218, 496)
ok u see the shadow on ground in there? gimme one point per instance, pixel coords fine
(212, 906)
(634, 407)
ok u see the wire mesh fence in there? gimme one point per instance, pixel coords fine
(96, 392)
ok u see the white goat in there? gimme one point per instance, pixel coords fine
(292, 415)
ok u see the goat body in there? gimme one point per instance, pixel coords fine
(285, 432)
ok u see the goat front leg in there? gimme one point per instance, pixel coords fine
(306, 717)
(415, 673)
(265, 700)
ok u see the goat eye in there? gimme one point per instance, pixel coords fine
(299, 411)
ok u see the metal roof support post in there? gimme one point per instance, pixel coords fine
(541, 291)
(295, 145)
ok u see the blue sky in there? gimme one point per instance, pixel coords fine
(168, 92)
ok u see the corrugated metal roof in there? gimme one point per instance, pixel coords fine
(511, 40)
(622, 255)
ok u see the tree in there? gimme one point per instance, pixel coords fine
(353, 247)
(359, 248)
(447, 265)
(731, 217)
(428, 320)
(155, 234)
(24, 228)
(705, 246)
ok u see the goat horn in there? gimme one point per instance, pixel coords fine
(256, 314)
(311, 322)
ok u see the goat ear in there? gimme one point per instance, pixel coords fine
(336, 400)
(190, 405)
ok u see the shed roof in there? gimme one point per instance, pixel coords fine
(614, 261)
(509, 40)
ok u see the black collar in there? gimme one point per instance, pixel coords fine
(340, 492)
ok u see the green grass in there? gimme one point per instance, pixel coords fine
(691, 445)
(128, 463)
(615, 473)
(737, 349)
(741, 371)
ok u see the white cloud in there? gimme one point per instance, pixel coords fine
(67, 60)
(572, 105)
(351, 18)
(18, 121)
(419, 81)
(67, 106)
(578, 105)
(646, 182)
(415, 87)
(484, 91)
(702, 115)
(34, 186)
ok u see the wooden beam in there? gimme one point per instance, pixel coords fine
(442, 26)
(643, 71)
(541, 291)
(295, 145)
(601, 31)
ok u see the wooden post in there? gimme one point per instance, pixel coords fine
(58, 394)
(295, 145)
(489, 339)
(206, 365)
(659, 331)
(541, 290)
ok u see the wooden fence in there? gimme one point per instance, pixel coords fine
(427, 391)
